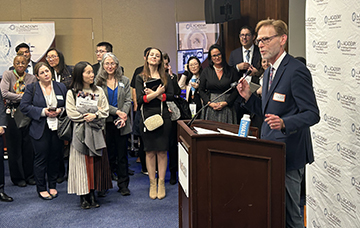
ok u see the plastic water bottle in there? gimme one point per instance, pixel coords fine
(193, 79)
(244, 126)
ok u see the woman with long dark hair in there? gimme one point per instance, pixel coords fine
(87, 107)
(191, 81)
(152, 101)
(117, 90)
(214, 80)
(61, 71)
(43, 102)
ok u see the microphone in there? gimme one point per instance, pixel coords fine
(232, 86)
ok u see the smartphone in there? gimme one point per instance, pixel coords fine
(52, 109)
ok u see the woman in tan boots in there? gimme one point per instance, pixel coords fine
(152, 90)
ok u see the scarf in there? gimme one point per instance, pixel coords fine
(19, 86)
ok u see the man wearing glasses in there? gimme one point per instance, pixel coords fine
(245, 58)
(289, 108)
(101, 49)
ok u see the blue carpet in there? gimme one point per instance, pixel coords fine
(136, 210)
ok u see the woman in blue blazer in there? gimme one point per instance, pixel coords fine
(117, 89)
(43, 101)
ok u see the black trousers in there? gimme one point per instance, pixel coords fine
(2, 177)
(47, 151)
(173, 148)
(20, 152)
(117, 150)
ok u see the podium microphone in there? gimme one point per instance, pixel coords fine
(232, 86)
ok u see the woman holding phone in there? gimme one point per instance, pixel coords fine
(43, 101)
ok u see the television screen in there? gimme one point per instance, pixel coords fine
(184, 55)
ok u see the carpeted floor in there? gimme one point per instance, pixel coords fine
(136, 210)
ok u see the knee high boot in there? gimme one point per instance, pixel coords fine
(161, 189)
(153, 189)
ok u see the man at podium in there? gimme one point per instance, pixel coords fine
(288, 106)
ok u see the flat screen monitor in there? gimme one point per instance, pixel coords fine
(184, 55)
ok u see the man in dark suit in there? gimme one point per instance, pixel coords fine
(247, 57)
(3, 196)
(289, 107)
(23, 47)
(101, 49)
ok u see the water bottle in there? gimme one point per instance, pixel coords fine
(244, 126)
(193, 79)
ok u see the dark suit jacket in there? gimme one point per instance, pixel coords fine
(3, 122)
(3, 119)
(295, 103)
(33, 107)
(236, 56)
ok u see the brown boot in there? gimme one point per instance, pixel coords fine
(153, 189)
(161, 189)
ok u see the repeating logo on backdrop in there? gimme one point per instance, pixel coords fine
(333, 72)
(320, 186)
(320, 141)
(347, 47)
(347, 101)
(332, 171)
(321, 2)
(355, 73)
(355, 18)
(347, 154)
(356, 183)
(312, 68)
(310, 23)
(311, 202)
(347, 205)
(333, 122)
(321, 95)
(333, 21)
(320, 46)
(355, 129)
(332, 218)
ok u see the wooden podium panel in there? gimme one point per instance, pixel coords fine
(233, 181)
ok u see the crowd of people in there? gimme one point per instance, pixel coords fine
(97, 99)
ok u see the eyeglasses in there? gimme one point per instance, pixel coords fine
(216, 56)
(51, 57)
(100, 51)
(265, 40)
(109, 64)
(245, 35)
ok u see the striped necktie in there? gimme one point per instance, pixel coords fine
(247, 56)
(271, 77)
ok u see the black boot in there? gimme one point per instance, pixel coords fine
(92, 200)
(84, 203)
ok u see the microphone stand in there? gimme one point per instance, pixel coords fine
(232, 86)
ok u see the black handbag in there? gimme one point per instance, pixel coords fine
(183, 105)
(21, 119)
(65, 127)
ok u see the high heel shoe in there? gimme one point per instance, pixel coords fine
(45, 197)
(153, 189)
(161, 189)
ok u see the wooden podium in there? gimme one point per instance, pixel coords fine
(232, 181)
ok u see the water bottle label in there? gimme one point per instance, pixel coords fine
(244, 128)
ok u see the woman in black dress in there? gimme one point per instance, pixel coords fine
(152, 101)
(214, 80)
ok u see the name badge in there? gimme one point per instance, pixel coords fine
(59, 97)
(279, 97)
(121, 84)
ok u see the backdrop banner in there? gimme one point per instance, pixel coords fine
(38, 35)
(333, 57)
